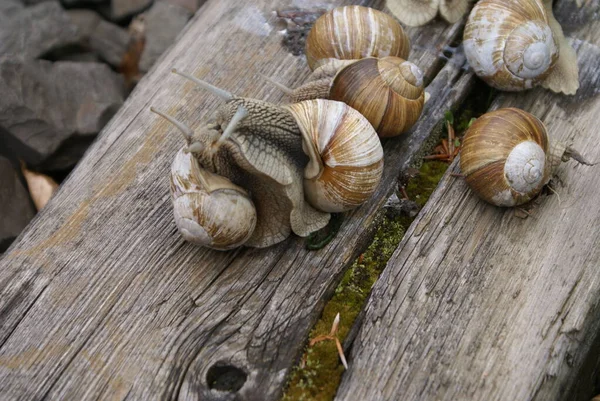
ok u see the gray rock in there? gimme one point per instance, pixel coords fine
(33, 31)
(125, 8)
(163, 21)
(395, 207)
(107, 40)
(8, 9)
(110, 42)
(86, 22)
(68, 154)
(44, 103)
(190, 5)
(17, 209)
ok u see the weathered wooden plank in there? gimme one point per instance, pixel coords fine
(477, 304)
(101, 299)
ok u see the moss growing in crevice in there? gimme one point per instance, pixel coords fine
(318, 375)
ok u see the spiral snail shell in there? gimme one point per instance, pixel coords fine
(507, 157)
(387, 91)
(345, 163)
(253, 155)
(355, 32)
(209, 209)
(517, 44)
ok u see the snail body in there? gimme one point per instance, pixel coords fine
(387, 91)
(507, 157)
(517, 44)
(260, 148)
(420, 12)
(355, 32)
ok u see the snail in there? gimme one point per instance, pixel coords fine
(209, 209)
(268, 157)
(388, 91)
(517, 44)
(352, 33)
(420, 12)
(507, 157)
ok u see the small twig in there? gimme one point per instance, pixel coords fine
(332, 336)
(450, 139)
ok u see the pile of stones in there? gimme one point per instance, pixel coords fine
(65, 69)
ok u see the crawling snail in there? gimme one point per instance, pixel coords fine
(352, 33)
(257, 172)
(518, 44)
(420, 12)
(507, 157)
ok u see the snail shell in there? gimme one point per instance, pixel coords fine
(355, 32)
(506, 157)
(515, 45)
(209, 209)
(346, 157)
(388, 92)
(420, 12)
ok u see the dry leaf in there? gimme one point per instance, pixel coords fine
(130, 63)
(41, 187)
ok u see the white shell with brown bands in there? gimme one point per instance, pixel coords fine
(209, 209)
(355, 32)
(505, 157)
(346, 157)
(388, 92)
(510, 44)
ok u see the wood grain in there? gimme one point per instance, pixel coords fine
(477, 304)
(100, 298)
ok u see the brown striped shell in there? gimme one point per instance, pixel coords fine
(209, 209)
(506, 157)
(346, 157)
(355, 32)
(420, 12)
(515, 45)
(388, 92)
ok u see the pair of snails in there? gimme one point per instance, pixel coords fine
(511, 44)
(257, 172)
(358, 56)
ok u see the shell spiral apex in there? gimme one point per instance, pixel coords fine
(510, 43)
(504, 157)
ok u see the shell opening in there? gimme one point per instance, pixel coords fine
(525, 166)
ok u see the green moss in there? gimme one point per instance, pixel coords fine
(420, 188)
(317, 379)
